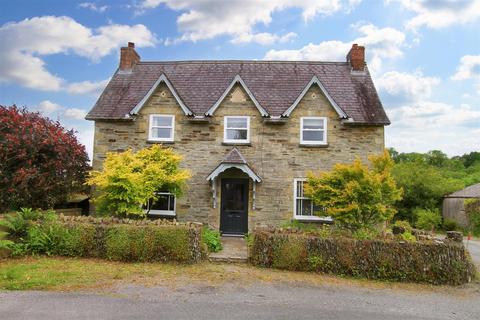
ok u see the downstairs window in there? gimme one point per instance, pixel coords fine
(303, 207)
(163, 206)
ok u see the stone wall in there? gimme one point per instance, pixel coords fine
(274, 153)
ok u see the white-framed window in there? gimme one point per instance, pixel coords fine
(164, 206)
(236, 129)
(313, 130)
(303, 207)
(161, 127)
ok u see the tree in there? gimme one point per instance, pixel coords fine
(128, 180)
(424, 186)
(354, 195)
(40, 161)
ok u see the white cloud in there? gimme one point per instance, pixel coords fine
(24, 42)
(87, 87)
(380, 43)
(263, 38)
(438, 14)
(93, 6)
(469, 68)
(405, 86)
(48, 107)
(207, 19)
(74, 113)
(419, 126)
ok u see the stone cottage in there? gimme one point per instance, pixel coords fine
(249, 131)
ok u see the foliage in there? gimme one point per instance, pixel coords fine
(472, 210)
(116, 241)
(40, 161)
(408, 236)
(427, 219)
(427, 177)
(365, 234)
(374, 259)
(403, 224)
(450, 225)
(212, 239)
(354, 195)
(130, 179)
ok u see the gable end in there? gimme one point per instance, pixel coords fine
(161, 79)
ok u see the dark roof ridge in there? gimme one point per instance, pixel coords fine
(245, 61)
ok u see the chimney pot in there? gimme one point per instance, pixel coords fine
(356, 57)
(128, 57)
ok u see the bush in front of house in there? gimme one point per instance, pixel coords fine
(130, 179)
(354, 195)
(428, 262)
(40, 161)
(427, 219)
(211, 238)
(472, 210)
(107, 238)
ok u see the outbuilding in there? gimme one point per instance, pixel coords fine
(454, 204)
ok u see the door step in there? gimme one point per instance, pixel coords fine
(220, 259)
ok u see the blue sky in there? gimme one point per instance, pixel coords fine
(424, 55)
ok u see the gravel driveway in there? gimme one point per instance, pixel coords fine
(236, 301)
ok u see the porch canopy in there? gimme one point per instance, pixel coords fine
(234, 159)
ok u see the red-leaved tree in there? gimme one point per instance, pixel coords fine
(40, 161)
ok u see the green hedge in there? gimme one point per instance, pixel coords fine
(123, 242)
(445, 263)
(107, 238)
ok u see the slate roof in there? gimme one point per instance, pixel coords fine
(234, 156)
(274, 84)
(472, 191)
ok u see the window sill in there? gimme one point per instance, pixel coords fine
(160, 141)
(307, 145)
(236, 144)
(161, 213)
(313, 219)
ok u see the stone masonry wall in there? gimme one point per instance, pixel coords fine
(274, 152)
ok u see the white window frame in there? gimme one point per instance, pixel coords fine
(295, 198)
(172, 127)
(238, 141)
(325, 130)
(164, 212)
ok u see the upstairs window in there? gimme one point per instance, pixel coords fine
(313, 130)
(161, 127)
(163, 206)
(236, 129)
(303, 207)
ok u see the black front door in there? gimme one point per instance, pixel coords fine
(234, 206)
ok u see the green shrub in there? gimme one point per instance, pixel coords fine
(403, 224)
(427, 219)
(124, 242)
(450, 225)
(408, 236)
(365, 234)
(211, 238)
(375, 259)
(356, 195)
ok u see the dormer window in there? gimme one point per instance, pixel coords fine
(161, 127)
(313, 130)
(236, 129)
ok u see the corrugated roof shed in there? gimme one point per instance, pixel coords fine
(472, 191)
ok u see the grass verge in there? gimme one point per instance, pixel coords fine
(73, 274)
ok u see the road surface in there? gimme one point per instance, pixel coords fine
(235, 301)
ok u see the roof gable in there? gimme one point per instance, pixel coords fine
(315, 80)
(236, 80)
(150, 92)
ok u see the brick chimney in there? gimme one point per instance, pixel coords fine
(128, 57)
(356, 57)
